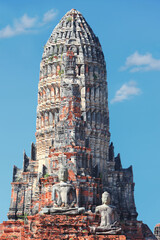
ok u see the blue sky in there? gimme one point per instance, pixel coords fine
(130, 38)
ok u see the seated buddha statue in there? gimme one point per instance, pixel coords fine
(63, 196)
(109, 217)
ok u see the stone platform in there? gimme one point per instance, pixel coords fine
(68, 227)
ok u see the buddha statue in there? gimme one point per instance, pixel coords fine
(109, 217)
(63, 196)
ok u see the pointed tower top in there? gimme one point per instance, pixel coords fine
(73, 26)
(73, 11)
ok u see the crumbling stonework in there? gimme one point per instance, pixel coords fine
(69, 227)
(72, 129)
(157, 231)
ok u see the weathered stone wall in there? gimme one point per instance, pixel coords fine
(119, 182)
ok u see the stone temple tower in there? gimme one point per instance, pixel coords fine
(72, 132)
(72, 126)
(73, 57)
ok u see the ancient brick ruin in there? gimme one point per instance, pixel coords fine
(72, 132)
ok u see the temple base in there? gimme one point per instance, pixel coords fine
(68, 227)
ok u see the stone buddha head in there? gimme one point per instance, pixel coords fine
(63, 174)
(106, 199)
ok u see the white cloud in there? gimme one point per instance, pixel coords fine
(126, 91)
(137, 62)
(49, 16)
(20, 26)
(25, 24)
